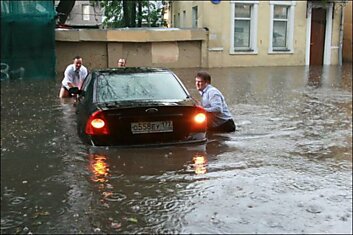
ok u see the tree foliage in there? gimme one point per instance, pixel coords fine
(127, 13)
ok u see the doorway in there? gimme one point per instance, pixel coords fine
(317, 38)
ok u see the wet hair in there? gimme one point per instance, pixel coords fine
(205, 76)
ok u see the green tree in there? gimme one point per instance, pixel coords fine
(127, 13)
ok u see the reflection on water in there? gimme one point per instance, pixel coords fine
(200, 163)
(287, 168)
(137, 189)
(104, 162)
(99, 167)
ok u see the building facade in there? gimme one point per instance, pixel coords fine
(265, 33)
(84, 14)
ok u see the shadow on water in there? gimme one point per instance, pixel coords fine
(287, 168)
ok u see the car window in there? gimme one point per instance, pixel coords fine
(139, 86)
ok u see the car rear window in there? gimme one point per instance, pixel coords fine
(139, 86)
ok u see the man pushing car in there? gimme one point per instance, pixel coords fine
(74, 76)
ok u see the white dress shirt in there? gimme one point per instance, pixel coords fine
(74, 76)
(214, 102)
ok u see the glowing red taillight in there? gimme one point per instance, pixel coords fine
(96, 124)
(200, 118)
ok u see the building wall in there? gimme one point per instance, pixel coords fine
(172, 48)
(76, 15)
(217, 18)
(186, 47)
(347, 37)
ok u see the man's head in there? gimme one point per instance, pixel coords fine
(121, 62)
(77, 62)
(202, 79)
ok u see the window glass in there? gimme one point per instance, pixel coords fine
(194, 17)
(178, 20)
(139, 86)
(85, 12)
(279, 34)
(280, 12)
(280, 27)
(242, 11)
(242, 33)
(184, 19)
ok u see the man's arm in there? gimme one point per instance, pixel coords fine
(68, 79)
(84, 75)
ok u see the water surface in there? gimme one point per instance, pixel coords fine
(287, 169)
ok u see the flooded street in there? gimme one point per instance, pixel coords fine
(287, 168)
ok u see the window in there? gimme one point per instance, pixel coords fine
(85, 12)
(194, 17)
(281, 34)
(178, 20)
(244, 27)
(184, 19)
(139, 86)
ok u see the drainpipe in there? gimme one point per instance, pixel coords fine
(341, 38)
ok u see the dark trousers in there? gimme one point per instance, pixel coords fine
(228, 126)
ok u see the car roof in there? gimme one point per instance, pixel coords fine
(130, 70)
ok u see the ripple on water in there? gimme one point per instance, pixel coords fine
(11, 220)
(152, 202)
(163, 224)
(114, 196)
(171, 205)
(17, 200)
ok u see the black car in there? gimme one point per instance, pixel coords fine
(138, 106)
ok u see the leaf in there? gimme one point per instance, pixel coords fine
(133, 220)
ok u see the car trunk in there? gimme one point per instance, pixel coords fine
(153, 124)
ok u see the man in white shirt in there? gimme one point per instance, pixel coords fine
(219, 118)
(74, 76)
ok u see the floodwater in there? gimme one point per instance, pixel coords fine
(287, 169)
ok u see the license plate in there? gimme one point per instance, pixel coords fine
(151, 127)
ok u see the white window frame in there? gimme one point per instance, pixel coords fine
(85, 8)
(253, 28)
(290, 27)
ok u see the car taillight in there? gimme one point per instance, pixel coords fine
(200, 118)
(96, 124)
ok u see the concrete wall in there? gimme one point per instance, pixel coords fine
(347, 37)
(172, 48)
